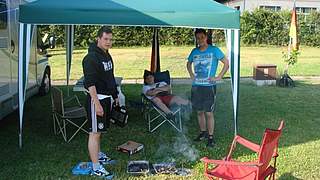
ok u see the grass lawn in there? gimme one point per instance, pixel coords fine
(46, 156)
(130, 62)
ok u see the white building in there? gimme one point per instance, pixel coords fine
(302, 6)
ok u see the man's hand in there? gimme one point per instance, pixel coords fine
(98, 107)
(212, 79)
(99, 110)
(192, 76)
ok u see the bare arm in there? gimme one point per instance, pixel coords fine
(93, 94)
(189, 68)
(225, 68)
(155, 91)
(163, 88)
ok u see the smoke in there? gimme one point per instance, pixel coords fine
(181, 149)
(183, 146)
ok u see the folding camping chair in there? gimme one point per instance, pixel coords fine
(156, 116)
(259, 169)
(64, 115)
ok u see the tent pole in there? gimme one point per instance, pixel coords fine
(69, 37)
(233, 46)
(24, 58)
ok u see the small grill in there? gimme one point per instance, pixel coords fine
(138, 167)
(165, 168)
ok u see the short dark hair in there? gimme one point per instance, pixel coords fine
(104, 29)
(200, 30)
(146, 74)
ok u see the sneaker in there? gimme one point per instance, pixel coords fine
(211, 141)
(201, 136)
(102, 154)
(102, 172)
(106, 160)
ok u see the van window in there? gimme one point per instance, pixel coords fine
(3, 14)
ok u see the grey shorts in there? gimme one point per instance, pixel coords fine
(203, 98)
(97, 123)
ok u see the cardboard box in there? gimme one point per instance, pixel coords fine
(130, 147)
(265, 72)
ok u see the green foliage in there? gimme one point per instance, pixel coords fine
(292, 57)
(258, 27)
(263, 27)
(123, 36)
(309, 27)
(268, 27)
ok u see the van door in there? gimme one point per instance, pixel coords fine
(14, 47)
(5, 63)
(14, 34)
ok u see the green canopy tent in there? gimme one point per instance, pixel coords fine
(165, 13)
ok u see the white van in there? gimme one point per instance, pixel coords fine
(39, 69)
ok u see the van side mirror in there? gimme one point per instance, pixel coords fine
(52, 42)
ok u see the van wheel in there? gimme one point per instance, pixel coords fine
(45, 84)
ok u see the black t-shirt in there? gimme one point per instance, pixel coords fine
(99, 72)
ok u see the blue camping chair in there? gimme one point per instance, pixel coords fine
(156, 116)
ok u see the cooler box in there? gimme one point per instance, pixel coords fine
(265, 72)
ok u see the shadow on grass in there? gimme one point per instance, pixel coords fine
(259, 108)
(287, 176)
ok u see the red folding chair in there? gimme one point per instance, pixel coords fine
(258, 169)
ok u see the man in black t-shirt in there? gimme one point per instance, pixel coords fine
(98, 70)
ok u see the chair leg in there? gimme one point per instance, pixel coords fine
(177, 121)
(64, 131)
(54, 124)
(273, 175)
(58, 124)
(180, 124)
(148, 118)
(79, 128)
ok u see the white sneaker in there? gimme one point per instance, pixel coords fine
(102, 155)
(102, 172)
(104, 159)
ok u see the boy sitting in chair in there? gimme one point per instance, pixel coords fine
(160, 94)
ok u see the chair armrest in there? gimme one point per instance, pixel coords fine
(70, 99)
(232, 163)
(248, 144)
(145, 101)
(144, 98)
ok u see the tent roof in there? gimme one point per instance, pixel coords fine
(162, 13)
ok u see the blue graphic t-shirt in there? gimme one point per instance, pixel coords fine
(205, 64)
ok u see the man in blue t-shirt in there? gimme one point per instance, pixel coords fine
(205, 59)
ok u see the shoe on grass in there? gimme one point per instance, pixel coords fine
(102, 172)
(201, 136)
(211, 141)
(106, 160)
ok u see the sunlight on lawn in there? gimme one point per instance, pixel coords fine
(130, 62)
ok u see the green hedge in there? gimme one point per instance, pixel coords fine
(272, 28)
(257, 27)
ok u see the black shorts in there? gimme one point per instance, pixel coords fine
(98, 123)
(203, 98)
